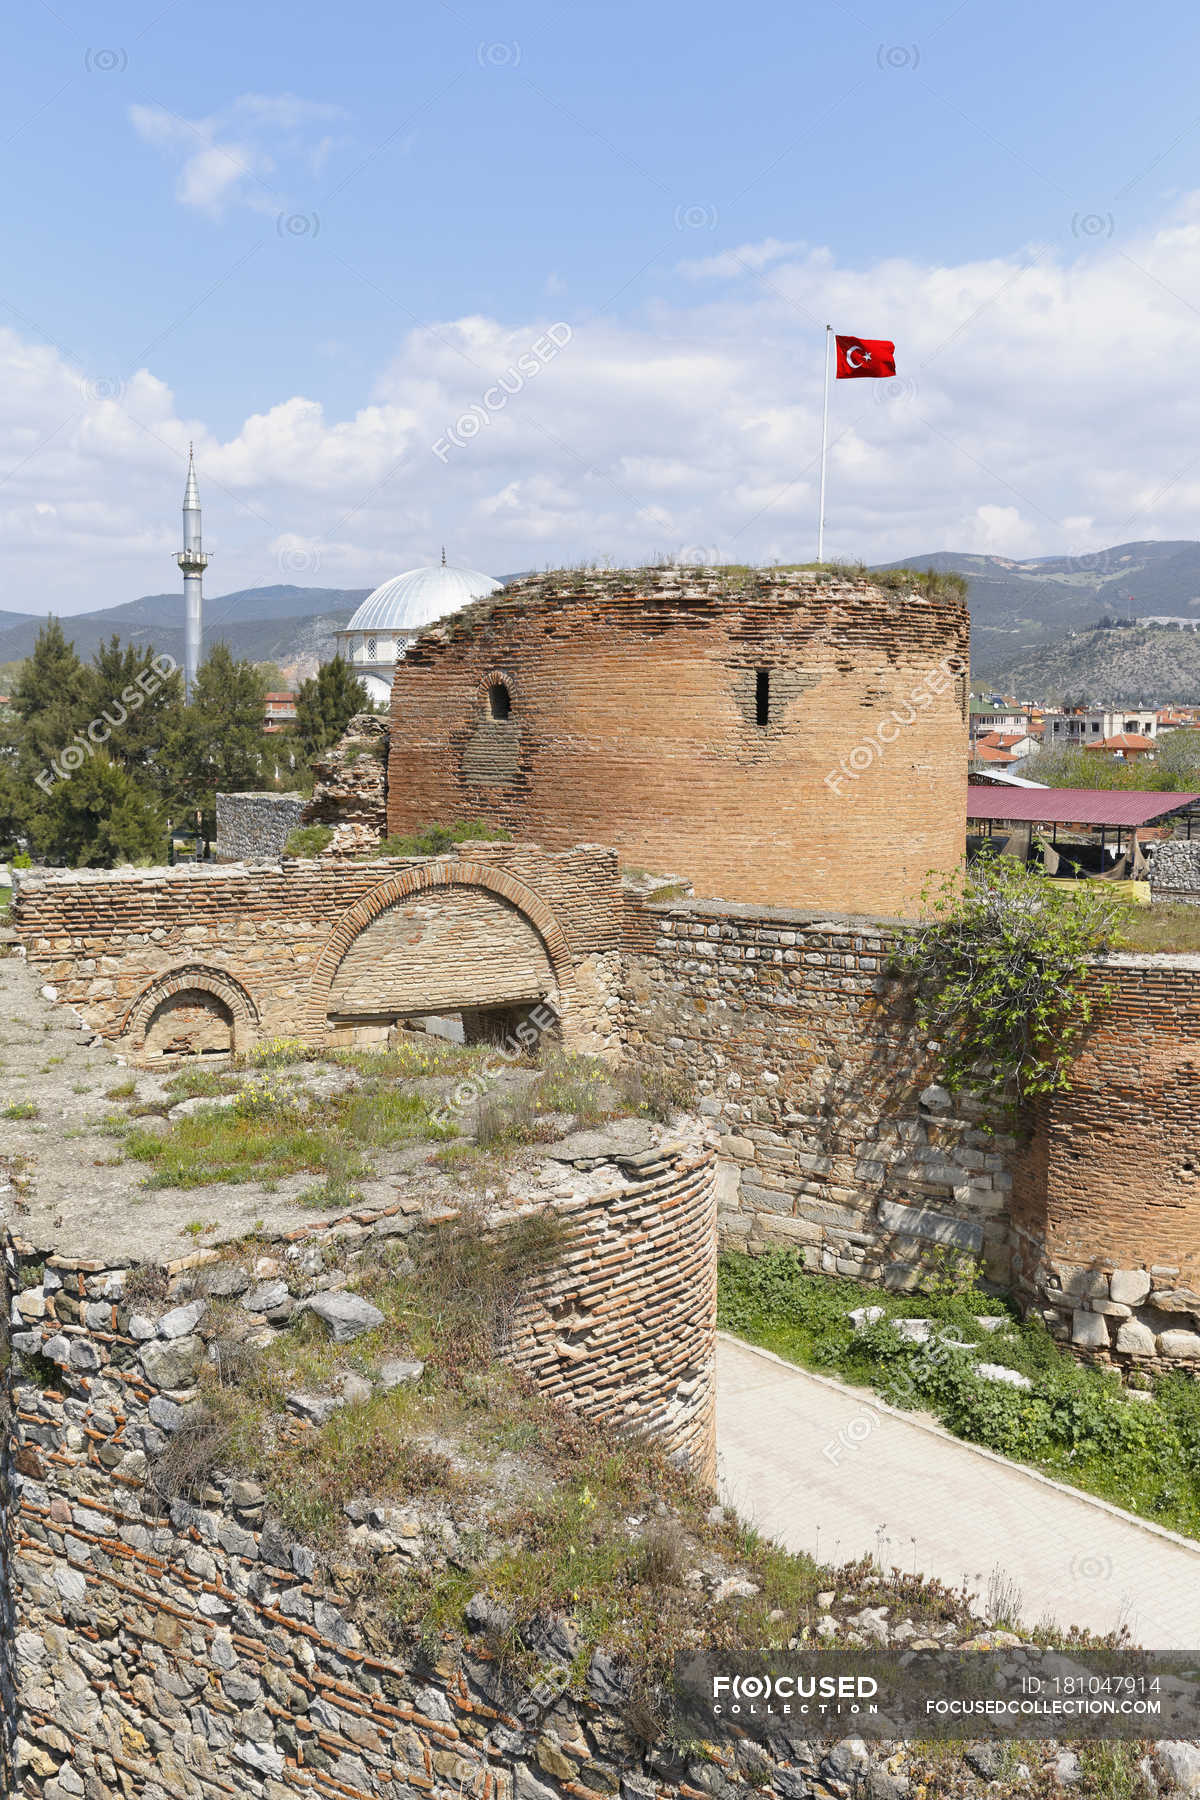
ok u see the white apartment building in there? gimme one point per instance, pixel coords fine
(1066, 730)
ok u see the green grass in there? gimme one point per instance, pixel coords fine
(1165, 929)
(21, 1109)
(1074, 1423)
(196, 1084)
(432, 840)
(222, 1146)
(308, 841)
(273, 1130)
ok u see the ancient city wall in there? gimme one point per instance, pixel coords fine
(193, 1647)
(1175, 871)
(838, 1140)
(790, 741)
(218, 958)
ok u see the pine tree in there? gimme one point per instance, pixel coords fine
(136, 694)
(216, 743)
(326, 704)
(99, 817)
(51, 698)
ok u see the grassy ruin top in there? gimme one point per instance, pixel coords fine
(117, 1163)
(675, 582)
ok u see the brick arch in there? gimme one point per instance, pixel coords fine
(406, 882)
(205, 978)
(495, 678)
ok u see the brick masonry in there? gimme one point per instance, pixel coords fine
(1106, 1197)
(220, 957)
(624, 708)
(193, 1649)
(837, 1138)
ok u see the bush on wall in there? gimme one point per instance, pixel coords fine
(999, 973)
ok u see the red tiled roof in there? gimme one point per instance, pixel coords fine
(991, 753)
(1084, 806)
(1124, 740)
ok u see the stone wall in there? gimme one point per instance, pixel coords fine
(836, 1139)
(350, 794)
(1175, 870)
(196, 1650)
(255, 827)
(625, 708)
(211, 958)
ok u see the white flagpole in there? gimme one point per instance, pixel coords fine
(824, 441)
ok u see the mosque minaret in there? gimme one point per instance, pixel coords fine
(192, 561)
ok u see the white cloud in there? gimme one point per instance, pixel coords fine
(747, 259)
(1043, 405)
(229, 158)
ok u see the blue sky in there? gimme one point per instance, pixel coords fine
(309, 238)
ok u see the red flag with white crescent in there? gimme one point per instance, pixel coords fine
(858, 357)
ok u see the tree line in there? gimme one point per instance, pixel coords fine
(99, 761)
(1175, 767)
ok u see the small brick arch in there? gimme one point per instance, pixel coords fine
(406, 882)
(495, 678)
(202, 978)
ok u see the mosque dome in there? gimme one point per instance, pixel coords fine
(419, 596)
(379, 633)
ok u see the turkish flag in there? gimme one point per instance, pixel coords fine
(857, 357)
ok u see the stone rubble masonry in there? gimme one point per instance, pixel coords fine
(632, 720)
(164, 959)
(839, 1142)
(194, 1651)
(350, 794)
(1175, 871)
(255, 827)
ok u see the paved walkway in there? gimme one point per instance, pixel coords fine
(828, 1469)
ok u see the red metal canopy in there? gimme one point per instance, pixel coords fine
(1073, 806)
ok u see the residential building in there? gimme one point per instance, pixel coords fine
(279, 712)
(1084, 725)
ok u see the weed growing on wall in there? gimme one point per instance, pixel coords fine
(999, 974)
(432, 840)
(308, 840)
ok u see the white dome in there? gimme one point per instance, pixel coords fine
(420, 596)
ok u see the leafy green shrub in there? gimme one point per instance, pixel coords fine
(308, 840)
(999, 973)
